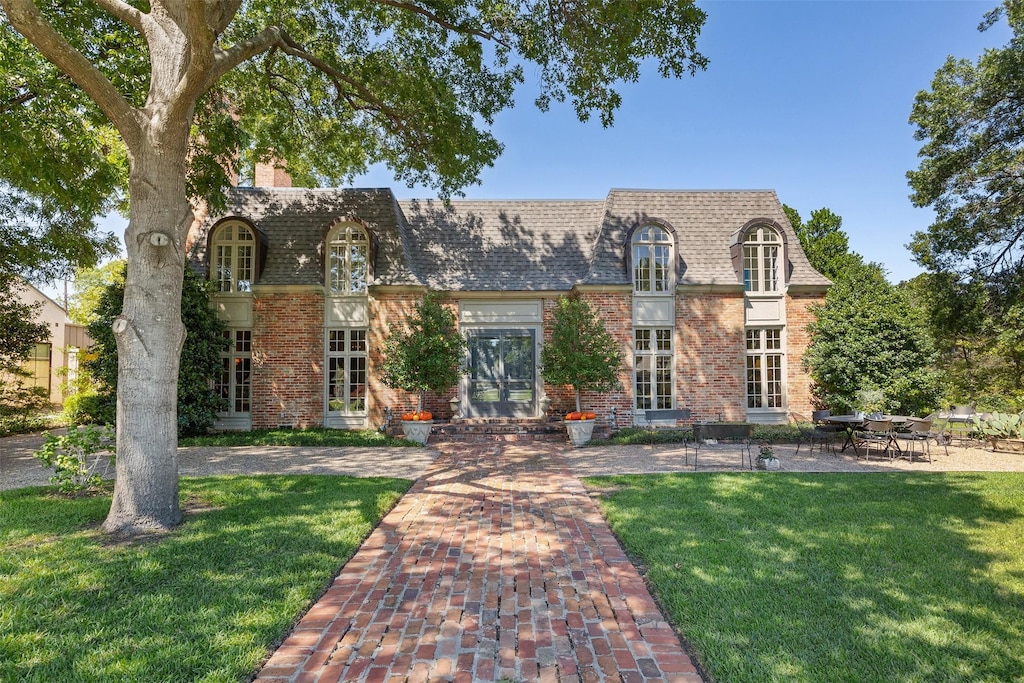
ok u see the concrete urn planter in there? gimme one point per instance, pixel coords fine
(417, 430)
(768, 464)
(580, 431)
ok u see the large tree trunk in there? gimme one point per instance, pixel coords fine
(150, 335)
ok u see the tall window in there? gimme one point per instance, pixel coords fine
(764, 367)
(234, 253)
(348, 250)
(234, 383)
(652, 363)
(652, 260)
(762, 258)
(346, 371)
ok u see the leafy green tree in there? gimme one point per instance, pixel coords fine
(869, 335)
(823, 240)
(971, 125)
(158, 102)
(89, 285)
(425, 352)
(581, 353)
(197, 404)
(20, 333)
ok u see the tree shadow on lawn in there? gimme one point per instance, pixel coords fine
(804, 577)
(206, 601)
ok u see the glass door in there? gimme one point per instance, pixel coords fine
(502, 377)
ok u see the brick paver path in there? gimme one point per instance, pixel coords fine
(495, 566)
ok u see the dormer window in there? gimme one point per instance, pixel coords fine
(348, 251)
(762, 259)
(652, 260)
(234, 256)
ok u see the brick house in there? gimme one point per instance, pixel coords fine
(707, 291)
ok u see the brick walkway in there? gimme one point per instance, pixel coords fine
(495, 566)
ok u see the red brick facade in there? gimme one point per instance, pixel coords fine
(289, 335)
(287, 359)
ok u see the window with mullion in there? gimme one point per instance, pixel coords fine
(765, 388)
(653, 361)
(234, 381)
(346, 371)
(652, 260)
(234, 248)
(348, 260)
(761, 260)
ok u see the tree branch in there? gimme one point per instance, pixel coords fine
(24, 97)
(122, 11)
(29, 22)
(226, 60)
(443, 23)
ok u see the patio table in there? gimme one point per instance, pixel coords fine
(849, 423)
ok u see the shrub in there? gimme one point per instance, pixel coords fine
(80, 459)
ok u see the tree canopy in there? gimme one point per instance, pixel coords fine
(159, 103)
(869, 336)
(971, 124)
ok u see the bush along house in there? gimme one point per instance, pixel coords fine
(708, 292)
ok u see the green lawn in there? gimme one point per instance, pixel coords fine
(204, 603)
(845, 577)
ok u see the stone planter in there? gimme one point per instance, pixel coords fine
(1008, 445)
(580, 431)
(417, 430)
(768, 464)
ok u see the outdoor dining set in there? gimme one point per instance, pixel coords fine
(889, 436)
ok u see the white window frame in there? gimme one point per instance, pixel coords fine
(347, 352)
(765, 368)
(233, 258)
(653, 349)
(652, 261)
(234, 382)
(348, 260)
(762, 261)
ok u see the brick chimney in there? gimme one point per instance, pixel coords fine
(271, 174)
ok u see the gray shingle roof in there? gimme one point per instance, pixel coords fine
(507, 245)
(502, 245)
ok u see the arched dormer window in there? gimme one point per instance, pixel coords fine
(762, 260)
(348, 259)
(233, 266)
(652, 260)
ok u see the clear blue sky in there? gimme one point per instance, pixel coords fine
(811, 99)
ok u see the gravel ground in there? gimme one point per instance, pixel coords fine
(18, 468)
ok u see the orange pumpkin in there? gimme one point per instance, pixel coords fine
(426, 415)
(408, 416)
(589, 416)
(575, 415)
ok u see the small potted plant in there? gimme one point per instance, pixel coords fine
(581, 354)
(766, 459)
(426, 355)
(870, 402)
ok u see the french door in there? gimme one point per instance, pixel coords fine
(502, 373)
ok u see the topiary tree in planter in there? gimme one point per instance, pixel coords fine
(581, 353)
(424, 353)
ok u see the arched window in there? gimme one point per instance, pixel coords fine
(652, 260)
(762, 260)
(234, 257)
(348, 251)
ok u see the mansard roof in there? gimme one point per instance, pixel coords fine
(507, 245)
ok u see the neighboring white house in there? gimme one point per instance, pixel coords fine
(48, 359)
